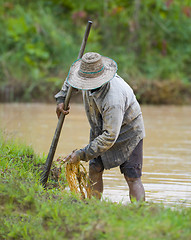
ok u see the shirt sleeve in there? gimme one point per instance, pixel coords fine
(60, 96)
(92, 136)
(112, 120)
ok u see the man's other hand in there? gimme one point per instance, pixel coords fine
(60, 109)
(72, 158)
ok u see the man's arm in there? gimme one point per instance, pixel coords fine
(112, 121)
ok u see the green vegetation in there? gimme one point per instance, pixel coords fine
(150, 40)
(30, 212)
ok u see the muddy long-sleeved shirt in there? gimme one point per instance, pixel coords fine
(115, 119)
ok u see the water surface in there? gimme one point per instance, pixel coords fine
(167, 146)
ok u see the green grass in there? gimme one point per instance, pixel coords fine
(30, 212)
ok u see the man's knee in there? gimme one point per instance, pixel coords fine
(95, 171)
(132, 180)
(96, 166)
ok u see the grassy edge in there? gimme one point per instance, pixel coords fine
(29, 212)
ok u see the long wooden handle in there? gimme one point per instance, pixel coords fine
(45, 174)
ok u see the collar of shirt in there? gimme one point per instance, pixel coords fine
(101, 92)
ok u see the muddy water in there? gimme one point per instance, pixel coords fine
(167, 146)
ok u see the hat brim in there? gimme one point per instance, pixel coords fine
(84, 83)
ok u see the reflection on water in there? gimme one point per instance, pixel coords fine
(167, 146)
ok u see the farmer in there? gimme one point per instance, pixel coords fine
(115, 118)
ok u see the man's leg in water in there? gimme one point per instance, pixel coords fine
(136, 189)
(132, 170)
(96, 183)
(96, 170)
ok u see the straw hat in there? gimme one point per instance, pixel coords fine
(91, 71)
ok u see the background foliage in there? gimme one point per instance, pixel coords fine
(150, 41)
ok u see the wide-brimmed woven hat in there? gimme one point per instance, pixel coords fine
(91, 71)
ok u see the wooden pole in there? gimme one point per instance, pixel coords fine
(45, 174)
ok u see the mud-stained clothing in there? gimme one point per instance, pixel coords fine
(115, 119)
(132, 168)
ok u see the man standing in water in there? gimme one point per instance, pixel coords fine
(115, 118)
